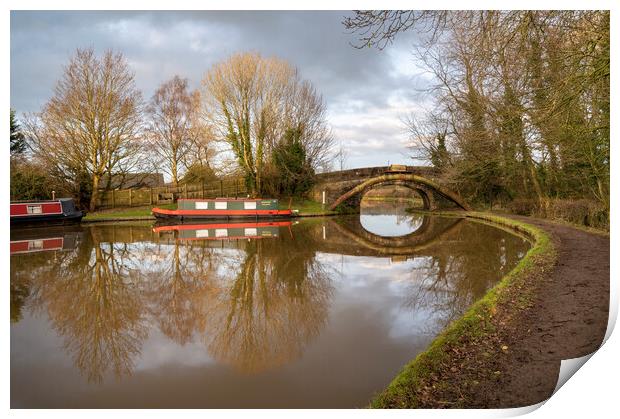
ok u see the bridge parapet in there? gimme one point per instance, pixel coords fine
(368, 172)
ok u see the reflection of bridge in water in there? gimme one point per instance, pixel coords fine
(348, 236)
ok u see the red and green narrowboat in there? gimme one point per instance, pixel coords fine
(46, 212)
(223, 209)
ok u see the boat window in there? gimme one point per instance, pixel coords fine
(250, 232)
(202, 205)
(221, 205)
(35, 244)
(249, 205)
(221, 232)
(35, 209)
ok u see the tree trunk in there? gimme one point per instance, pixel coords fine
(95, 194)
(175, 177)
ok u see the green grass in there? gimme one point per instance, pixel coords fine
(477, 322)
(122, 213)
(305, 207)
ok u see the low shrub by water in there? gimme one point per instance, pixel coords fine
(578, 211)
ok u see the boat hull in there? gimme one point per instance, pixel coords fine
(46, 220)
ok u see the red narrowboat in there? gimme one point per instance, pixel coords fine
(48, 212)
(223, 208)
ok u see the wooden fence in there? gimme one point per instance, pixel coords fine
(225, 188)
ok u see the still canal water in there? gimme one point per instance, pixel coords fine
(319, 312)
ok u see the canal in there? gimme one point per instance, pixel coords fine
(315, 313)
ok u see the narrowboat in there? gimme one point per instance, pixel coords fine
(223, 208)
(46, 212)
(222, 231)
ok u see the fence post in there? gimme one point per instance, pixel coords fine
(150, 196)
(113, 199)
(185, 190)
(130, 204)
(221, 188)
(202, 188)
(236, 189)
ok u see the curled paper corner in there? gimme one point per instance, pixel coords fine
(518, 411)
(568, 367)
(611, 321)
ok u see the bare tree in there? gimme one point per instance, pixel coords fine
(304, 110)
(341, 157)
(171, 130)
(251, 102)
(90, 126)
(378, 28)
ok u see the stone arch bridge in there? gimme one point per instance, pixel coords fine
(349, 186)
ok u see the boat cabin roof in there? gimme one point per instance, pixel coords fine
(227, 199)
(37, 201)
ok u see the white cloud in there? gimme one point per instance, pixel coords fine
(367, 91)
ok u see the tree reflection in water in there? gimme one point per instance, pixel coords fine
(254, 304)
(178, 285)
(276, 303)
(457, 272)
(95, 303)
(102, 296)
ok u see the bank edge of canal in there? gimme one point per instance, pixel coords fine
(506, 350)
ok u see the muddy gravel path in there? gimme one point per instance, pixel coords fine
(568, 319)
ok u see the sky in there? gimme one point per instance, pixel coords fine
(367, 92)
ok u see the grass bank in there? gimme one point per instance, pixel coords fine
(127, 213)
(460, 361)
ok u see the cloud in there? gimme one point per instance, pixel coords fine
(366, 90)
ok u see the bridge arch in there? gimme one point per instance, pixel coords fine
(423, 192)
(425, 187)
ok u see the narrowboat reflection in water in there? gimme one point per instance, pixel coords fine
(222, 231)
(34, 240)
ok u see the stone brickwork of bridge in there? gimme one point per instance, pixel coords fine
(349, 186)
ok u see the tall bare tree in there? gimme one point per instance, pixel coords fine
(90, 126)
(341, 157)
(171, 127)
(252, 101)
